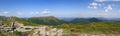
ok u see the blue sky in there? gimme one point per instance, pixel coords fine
(60, 8)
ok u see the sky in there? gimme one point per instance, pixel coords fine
(60, 8)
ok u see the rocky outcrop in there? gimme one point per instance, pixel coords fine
(51, 32)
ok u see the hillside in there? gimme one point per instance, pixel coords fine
(77, 26)
(96, 28)
(10, 20)
(47, 20)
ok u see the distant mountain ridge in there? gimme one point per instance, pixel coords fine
(51, 20)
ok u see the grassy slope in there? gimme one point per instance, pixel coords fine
(50, 20)
(95, 27)
(25, 22)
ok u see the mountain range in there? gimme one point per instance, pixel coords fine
(51, 20)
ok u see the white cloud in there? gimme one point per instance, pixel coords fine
(45, 11)
(94, 5)
(34, 13)
(99, 0)
(108, 8)
(5, 12)
(105, 0)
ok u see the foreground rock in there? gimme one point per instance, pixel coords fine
(45, 31)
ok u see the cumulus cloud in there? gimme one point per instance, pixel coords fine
(105, 0)
(94, 5)
(108, 8)
(45, 11)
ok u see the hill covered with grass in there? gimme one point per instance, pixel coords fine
(10, 20)
(73, 27)
(94, 27)
(47, 20)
